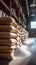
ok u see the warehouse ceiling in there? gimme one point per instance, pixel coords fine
(29, 7)
(32, 7)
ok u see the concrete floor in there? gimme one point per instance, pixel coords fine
(21, 61)
(22, 57)
(16, 62)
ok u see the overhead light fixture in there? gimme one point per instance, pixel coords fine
(33, 5)
(32, 14)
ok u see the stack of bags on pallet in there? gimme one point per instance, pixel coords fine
(8, 36)
(19, 42)
(22, 35)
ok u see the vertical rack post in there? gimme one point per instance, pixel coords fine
(27, 7)
(2, 13)
(10, 7)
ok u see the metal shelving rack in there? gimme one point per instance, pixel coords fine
(7, 6)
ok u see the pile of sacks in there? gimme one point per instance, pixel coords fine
(8, 35)
(22, 35)
(11, 36)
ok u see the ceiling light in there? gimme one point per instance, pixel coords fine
(32, 14)
(33, 5)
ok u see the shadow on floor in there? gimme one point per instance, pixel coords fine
(17, 62)
(4, 62)
(31, 63)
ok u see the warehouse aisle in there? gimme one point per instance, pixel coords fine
(21, 57)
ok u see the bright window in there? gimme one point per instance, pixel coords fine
(33, 24)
